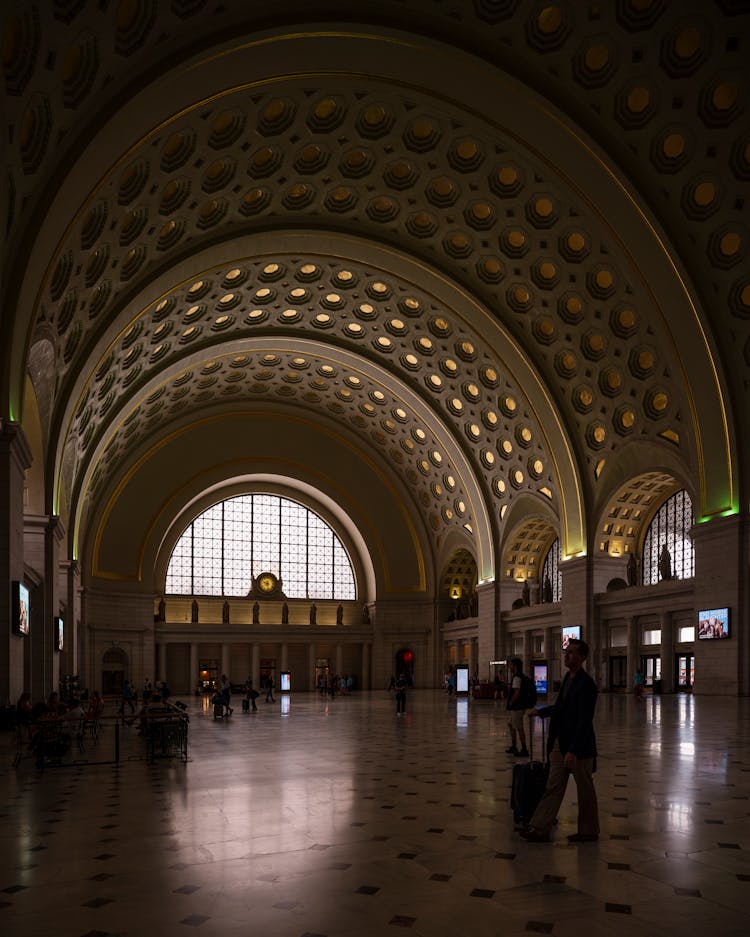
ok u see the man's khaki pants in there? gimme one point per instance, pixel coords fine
(549, 805)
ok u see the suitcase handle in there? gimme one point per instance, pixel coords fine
(535, 714)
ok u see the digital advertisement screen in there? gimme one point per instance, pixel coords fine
(462, 679)
(540, 678)
(571, 632)
(286, 682)
(21, 609)
(59, 633)
(713, 623)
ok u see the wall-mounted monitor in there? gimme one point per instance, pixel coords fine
(21, 609)
(59, 633)
(540, 678)
(713, 623)
(570, 633)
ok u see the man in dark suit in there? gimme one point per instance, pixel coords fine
(572, 750)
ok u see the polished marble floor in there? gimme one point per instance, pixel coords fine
(339, 818)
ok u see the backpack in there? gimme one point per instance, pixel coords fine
(527, 699)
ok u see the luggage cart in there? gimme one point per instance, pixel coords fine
(166, 737)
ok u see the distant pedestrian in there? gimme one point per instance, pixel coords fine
(401, 685)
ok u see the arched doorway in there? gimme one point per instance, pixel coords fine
(405, 664)
(114, 668)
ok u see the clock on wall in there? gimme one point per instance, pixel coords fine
(267, 583)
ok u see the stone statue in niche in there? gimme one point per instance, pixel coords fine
(665, 563)
(313, 614)
(526, 593)
(225, 612)
(162, 615)
(632, 570)
(194, 611)
(340, 614)
(256, 613)
(285, 614)
(547, 589)
(365, 614)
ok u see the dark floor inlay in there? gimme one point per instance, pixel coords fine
(540, 927)
(467, 838)
(619, 836)
(97, 933)
(37, 848)
(482, 893)
(436, 829)
(688, 892)
(618, 908)
(309, 933)
(407, 855)
(440, 877)
(743, 877)
(367, 890)
(401, 920)
(554, 879)
(340, 866)
(186, 889)
(105, 855)
(505, 855)
(729, 845)
(101, 877)
(320, 846)
(194, 920)
(12, 889)
(379, 839)
(97, 902)
(619, 866)
(286, 905)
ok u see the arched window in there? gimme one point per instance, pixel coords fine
(671, 526)
(551, 569)
(235, 541)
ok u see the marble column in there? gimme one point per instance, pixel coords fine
(284, 657)
(365, 677)
(528, 649)
(15, 458)
(634, 644)
(193, 676)
(667, 652)
(312, 654)
(161, 661)
(255, 671)
(552, 652)
(226, 660)
(339, 659)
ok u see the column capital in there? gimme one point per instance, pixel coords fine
(13, 440)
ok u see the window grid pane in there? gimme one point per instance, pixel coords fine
(220, 552)
(552, 569)
(672, 527)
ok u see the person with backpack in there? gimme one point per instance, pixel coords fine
(521, 696)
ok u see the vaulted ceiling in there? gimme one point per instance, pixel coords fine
(504, 244)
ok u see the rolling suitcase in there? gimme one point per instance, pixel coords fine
(218, 710)
(245, 705)
(529, 781)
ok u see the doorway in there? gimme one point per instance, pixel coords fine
(651, 669)
(685, 672)
(618, 673)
